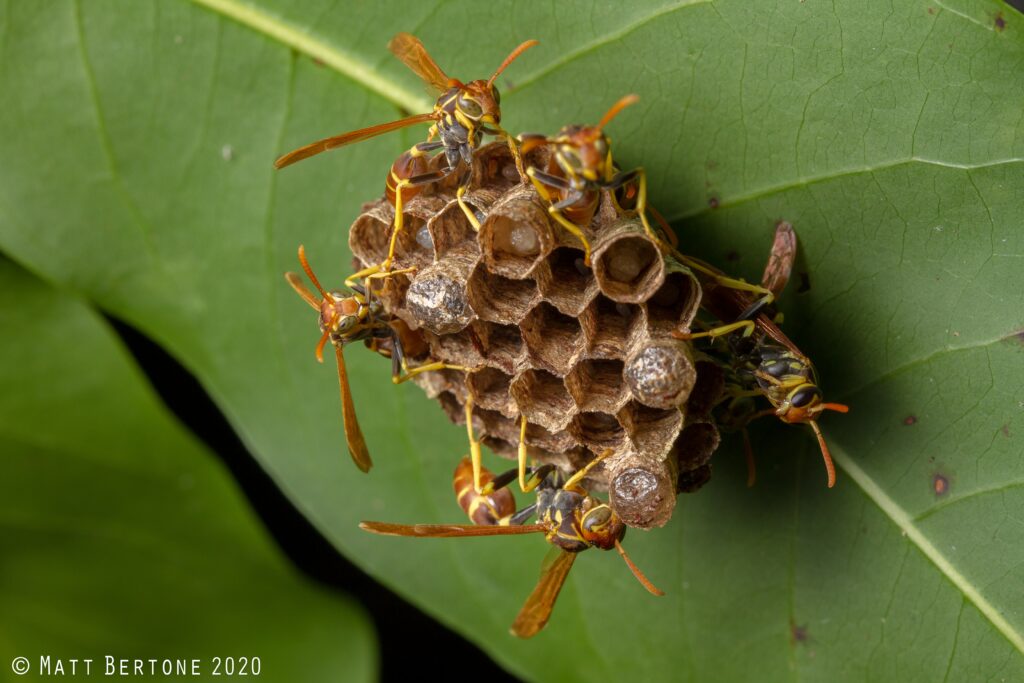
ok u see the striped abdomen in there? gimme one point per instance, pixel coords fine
(406, 166)
(483, 510)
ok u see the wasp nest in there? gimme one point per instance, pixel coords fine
(584, 353)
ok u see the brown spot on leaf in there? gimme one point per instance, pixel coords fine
(320, 62)
(910, 420)
(798, 633)
(713, 202)
(931, 10)
(1006, 431)
(1000, 22)
(940, 484)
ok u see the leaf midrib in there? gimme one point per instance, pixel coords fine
(902, 519)
(348, 65)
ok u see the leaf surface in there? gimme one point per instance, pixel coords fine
(121, 537)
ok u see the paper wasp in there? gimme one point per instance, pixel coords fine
(347, 317)
(570, 519)
(463, 113)
(766, 362)
(581, 165)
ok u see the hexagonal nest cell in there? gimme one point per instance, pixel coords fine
(584, 354)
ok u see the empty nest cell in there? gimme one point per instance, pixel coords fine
(598, 431)
(542, 398)
(610, 327)
(553, 340)
(596, 385)
(500, 299)
(503, 346)
(490, 389)
(651, 431)
(674, 304)
(565, 282)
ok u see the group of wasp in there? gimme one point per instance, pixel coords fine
(759, 358)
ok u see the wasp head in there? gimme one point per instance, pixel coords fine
(804, 403)
(480, 103)
(339, 314)
(599, 525)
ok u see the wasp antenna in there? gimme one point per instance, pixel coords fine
(838, 407)
(616, 108)
(644, 581)
(309, 271)
(511, 58)
(323, 342)
(829, 467)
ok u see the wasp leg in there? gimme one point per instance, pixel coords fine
(746, 325)
(639, 175)
(502, 480)
(572, 483)
(517, 156)
(400, 370)
(460, 196)
(519, 518)
(474, 446)
(521, 454)
(542, 181)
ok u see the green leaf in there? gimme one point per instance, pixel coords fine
(122, 537)
(137, 171)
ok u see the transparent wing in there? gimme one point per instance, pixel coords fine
(537, 609)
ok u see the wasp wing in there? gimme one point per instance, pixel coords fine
(302, 290)
(314, 148)
(780, 261)
(410, 50)
(353, 434)
(537, 609)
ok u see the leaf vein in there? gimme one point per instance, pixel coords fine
(344, 63)
(601, 41)
(902, 519)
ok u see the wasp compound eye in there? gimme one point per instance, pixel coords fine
(496, 94)
(469, 107)
(597, 519)
(346, 323)
(803, 397)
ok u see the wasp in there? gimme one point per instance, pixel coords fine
(463, 113)
(766, 361)
(346, 317)
(570, 519)
(581, 166)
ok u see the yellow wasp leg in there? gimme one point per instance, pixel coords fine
(542, 190)
(408, 374)
(474, 445)
(465, 208)
(746, 325)
(572, 483)
(522, 454)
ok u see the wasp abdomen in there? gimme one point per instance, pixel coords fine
(484, 510)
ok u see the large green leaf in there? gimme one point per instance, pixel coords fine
(121, 537)
(137, 172)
